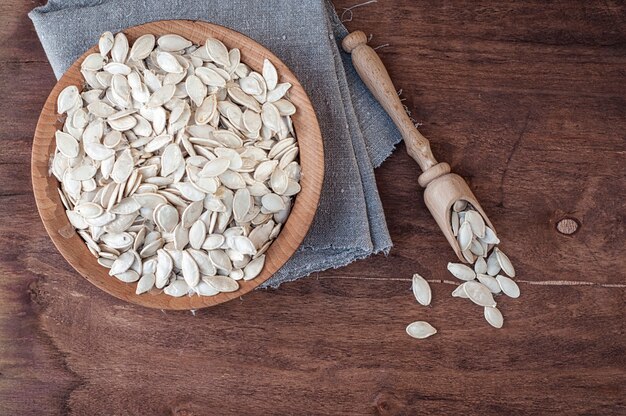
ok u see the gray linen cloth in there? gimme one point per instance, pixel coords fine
(305, 35)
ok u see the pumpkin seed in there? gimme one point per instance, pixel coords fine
(461, 271)
(421, 290)
(478, 293)
(420, 330)
(142, 47)
(177, 289)
(508, 286)
(105, 43)
(504, 262)
(490, 282)
(222, 283)
(494, 316)
(189, 162)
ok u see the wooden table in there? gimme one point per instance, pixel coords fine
(524, 99)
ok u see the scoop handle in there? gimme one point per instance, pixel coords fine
(374, 74)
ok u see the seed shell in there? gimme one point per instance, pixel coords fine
(420, 330)
(461, 271)
(421, 290)
(494, 316)
(508, 286)
(479, 294)
(504, 262)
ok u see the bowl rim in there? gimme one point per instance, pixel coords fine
(73, 248)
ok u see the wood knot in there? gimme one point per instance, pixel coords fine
(567, 226)
(183, 410)
(386, 403)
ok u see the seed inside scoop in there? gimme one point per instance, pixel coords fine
(478, 244)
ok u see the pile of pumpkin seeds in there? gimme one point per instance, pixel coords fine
(490, 275)
(177, 163)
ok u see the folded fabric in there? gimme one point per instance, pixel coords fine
(305, 35)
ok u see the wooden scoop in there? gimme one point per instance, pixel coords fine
(443, 188)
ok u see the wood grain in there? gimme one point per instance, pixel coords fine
(523, 98)
(311, 158)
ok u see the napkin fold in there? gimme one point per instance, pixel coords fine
(306, 35)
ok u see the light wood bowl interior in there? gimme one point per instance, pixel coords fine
(73, 248)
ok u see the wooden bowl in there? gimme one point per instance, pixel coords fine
(73, 248)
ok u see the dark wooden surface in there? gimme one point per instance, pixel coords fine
(526, 100)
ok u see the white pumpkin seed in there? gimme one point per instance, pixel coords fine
(161, 96)
(217, 52)
(119, 51)
(190, 270)
(197, 234)
(490, 236)
(504, 262)
(476, 222)
(68, 99)
(89, 210)
(459, 292)
(493, 267)
(461, 271)
(241, 204)
(168, 62)
(115, 68)
(420, 330)
(253, 269)
(66, 144)
(478, 293)
(105, 43)
(421, 290)
(465, 236)
(459, 205)
(167, 218)
(145, 283)
(205, 289)
(171, 159)
(480, 266)
(209, 77)
(508, 286)
(494, 316)
(142, 47)
(220, 260)
(122, 263)
(270, 75)
(195, 89)
(272, 203)
(222, 283)
(128, 276)
(93, 62)
(177, 289)
(278, 92)
(123, 167)
(126, 206)
(173, 43)
(243, 245)
(489, 281)
(164, 268)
